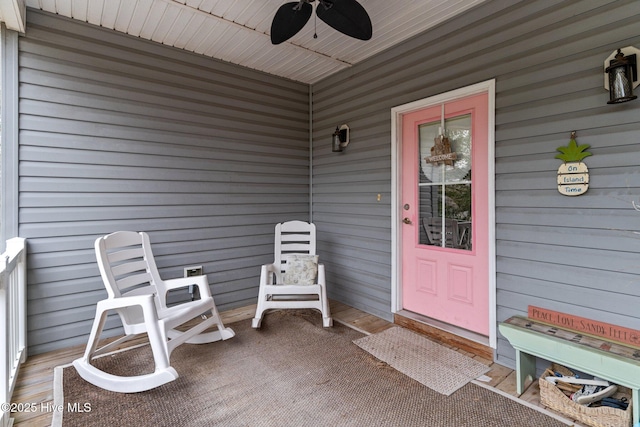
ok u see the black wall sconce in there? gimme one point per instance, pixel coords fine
(621, 75)
(340, 138)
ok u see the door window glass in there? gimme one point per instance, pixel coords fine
(444, 184)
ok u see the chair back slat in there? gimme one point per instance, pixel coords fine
(295, 248)
(133, 281)
(128, 268)
(119, 254)
(298, 237)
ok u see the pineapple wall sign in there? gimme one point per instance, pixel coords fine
(573, 175)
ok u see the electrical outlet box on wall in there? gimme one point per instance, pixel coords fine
(193, 271)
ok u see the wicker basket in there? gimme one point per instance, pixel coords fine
(602, 416)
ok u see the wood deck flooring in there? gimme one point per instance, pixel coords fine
(35, 380)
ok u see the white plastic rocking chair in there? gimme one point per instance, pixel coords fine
(138, 295)
(294, 241)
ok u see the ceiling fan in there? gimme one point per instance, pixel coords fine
(346, 16)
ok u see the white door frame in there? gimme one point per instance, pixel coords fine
(396, 170)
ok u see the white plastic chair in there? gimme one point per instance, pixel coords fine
(138, 294)
(292, 239)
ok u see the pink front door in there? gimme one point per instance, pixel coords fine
(445, 213)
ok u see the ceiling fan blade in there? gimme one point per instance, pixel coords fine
(346, 16)
(289, 19)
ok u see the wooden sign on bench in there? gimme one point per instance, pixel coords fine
(630, 337)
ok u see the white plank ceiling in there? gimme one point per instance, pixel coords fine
(238, 31)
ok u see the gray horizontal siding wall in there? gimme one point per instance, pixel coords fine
(118, 133)
(577, 255)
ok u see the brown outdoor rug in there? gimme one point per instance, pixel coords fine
(291, 372)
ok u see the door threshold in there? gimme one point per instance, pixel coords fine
(446, 333)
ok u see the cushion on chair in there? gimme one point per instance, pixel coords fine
(301, 270)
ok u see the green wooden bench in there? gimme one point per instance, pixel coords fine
(605, 359)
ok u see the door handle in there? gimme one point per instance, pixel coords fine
(407, 221)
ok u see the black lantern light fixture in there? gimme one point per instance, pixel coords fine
(340, 138)
(621, 75)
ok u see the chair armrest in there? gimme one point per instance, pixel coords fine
(267, 272)
(321, 274)
(183, 282)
